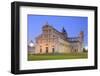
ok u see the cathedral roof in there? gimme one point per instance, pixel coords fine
(62, 34)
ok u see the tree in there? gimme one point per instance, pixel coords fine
(85, 50)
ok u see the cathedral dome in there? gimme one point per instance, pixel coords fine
(64, 32)
(46, 25)
(31, 44)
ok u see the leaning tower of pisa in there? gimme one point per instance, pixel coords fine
(81, 39)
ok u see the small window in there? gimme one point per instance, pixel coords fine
(52, 45)
(46, 44)
(53, 35)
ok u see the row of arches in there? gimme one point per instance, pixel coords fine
(74, 49)
(47, 50)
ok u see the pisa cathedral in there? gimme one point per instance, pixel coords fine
(53, 41)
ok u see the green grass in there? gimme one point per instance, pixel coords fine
(57, 56)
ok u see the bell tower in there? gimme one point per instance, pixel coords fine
(81, 39)
(81, 36)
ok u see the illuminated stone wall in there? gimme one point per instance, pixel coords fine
(53, 41)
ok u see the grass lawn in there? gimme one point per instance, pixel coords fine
(34, 57)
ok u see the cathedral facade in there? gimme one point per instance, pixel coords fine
(53, 41)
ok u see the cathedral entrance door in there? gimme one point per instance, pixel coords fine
(46, 49)
(53, 50)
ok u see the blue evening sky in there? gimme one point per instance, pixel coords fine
(72, 24)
